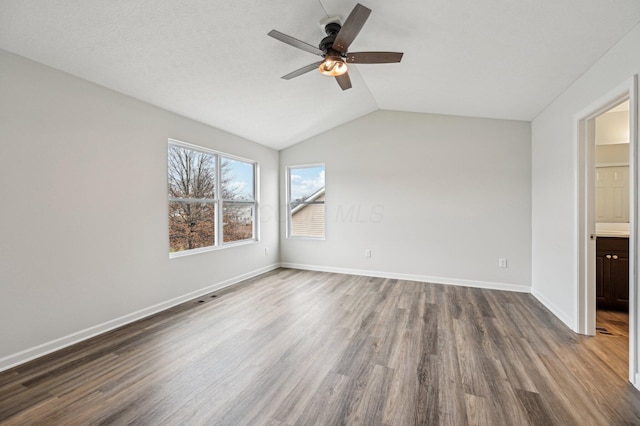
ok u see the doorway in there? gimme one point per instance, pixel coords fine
(612, 214)
(613, 221)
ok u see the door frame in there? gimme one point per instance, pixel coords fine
(584, 125)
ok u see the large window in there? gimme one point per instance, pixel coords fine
(212, 199)
(305, 201)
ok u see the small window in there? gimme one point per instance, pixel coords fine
(212, 199)
(305, 201)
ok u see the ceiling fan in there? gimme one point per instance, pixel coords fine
(334, 49)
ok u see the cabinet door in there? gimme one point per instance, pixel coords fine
(612, 194)
(619, 276)
(612, 273)
(601, 288)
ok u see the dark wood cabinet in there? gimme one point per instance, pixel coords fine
(612, 273)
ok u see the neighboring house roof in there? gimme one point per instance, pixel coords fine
(314, 197)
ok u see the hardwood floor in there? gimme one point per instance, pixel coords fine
(307, 348)
(612, 340)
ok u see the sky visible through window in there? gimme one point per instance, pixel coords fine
(306, 181)
(241, 174)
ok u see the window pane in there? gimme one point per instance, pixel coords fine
(191, 173)
(212, 198)
(238, 221)
(191, 225)
(305, 182)
(307, 220)
(306, 201)
(236, 180)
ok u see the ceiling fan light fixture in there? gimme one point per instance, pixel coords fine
(333, 66)
(334, 48)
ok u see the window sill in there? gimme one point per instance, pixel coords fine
(183, 253)
(301, 237)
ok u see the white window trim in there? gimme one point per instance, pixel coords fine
(219, 202)
(288, 200)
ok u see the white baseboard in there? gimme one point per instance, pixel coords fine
(569, 322)
(62, 342)
(412, 277)
(637, 382)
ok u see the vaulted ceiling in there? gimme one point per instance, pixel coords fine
(211, 60)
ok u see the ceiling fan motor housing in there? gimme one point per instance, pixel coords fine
(326, 45)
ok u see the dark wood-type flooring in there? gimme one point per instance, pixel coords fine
(612, 340)
(307, 348)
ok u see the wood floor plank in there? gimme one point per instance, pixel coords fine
(370, 410)
(451, 401)
(534, 407)
(479, 411)
(295, 347)
(289, 403)
(403, 393)
(328, 406)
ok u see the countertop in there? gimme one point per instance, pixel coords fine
(620, 230)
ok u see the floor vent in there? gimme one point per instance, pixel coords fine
(204, 299)
(603, 330)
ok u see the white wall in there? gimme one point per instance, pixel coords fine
(612, 128)
(436, 198)
(554, 177)
(612, 154)
(83, 222)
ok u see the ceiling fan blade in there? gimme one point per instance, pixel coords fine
(352, 26)
(295, 42)
(344, 81)
(302, 70)
(373, 57)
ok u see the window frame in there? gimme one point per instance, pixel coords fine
(218, 202)
(289, 209)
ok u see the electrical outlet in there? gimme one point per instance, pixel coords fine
(367, 253)
(502, 262)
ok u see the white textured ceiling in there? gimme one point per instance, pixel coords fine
(211, 60)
